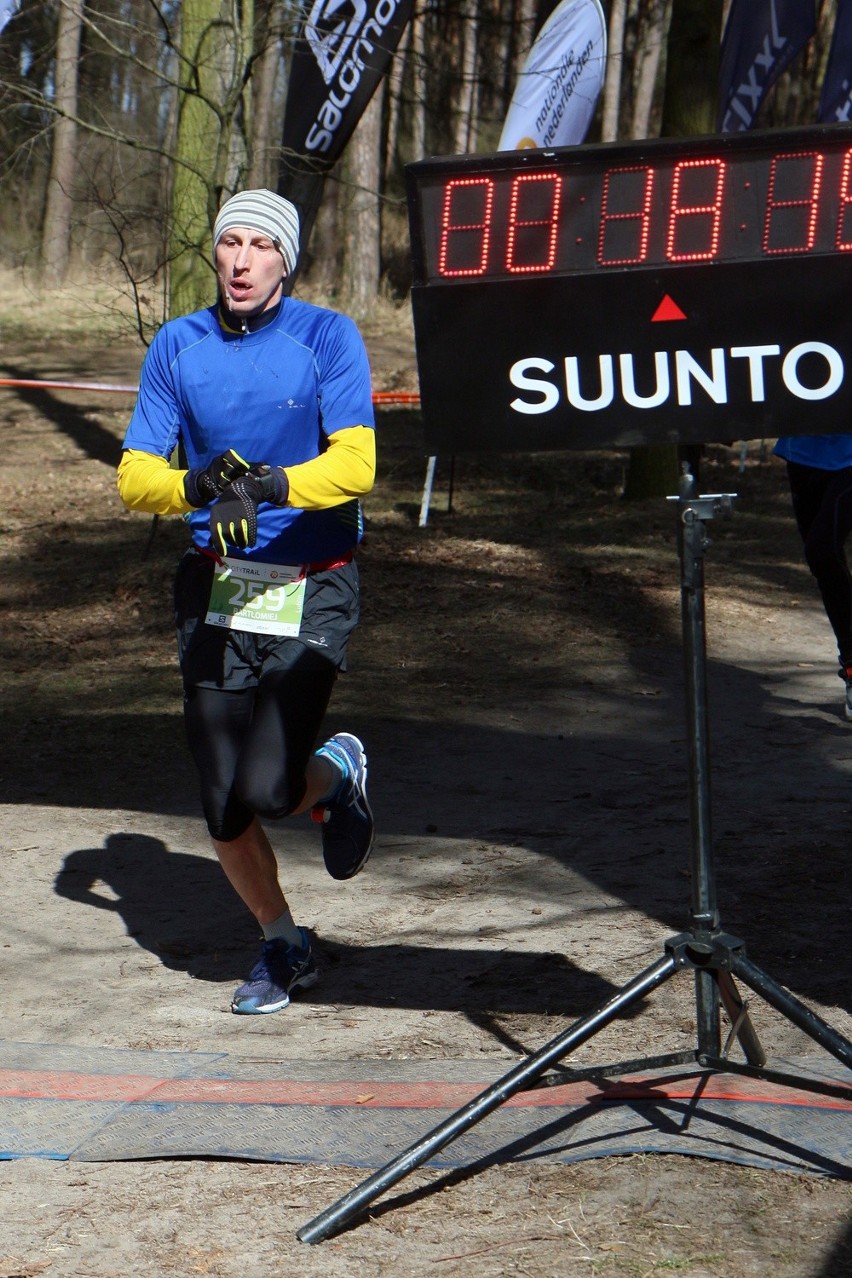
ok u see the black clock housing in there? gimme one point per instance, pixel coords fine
(679, 290)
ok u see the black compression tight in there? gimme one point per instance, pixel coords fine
(251, 747)
(822, 504)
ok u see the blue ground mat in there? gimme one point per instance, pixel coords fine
(100, 1104)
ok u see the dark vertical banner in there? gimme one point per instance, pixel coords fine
(343, 49)
(835, 104)
(761, 39)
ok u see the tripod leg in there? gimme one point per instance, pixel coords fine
(742, 1026)
(521, 1077)
(707, 1013)
(792, 1008)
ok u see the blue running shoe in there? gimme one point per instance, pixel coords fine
(280, 969)
(347, 821)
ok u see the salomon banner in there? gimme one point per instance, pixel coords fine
(762, 37)
(561, 80)
(835, 105)
(343, 50)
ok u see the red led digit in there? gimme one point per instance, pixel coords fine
(843, 239)
(695, 213)
(792, 202)
(466, 227)
(533, 222)
(625, 216)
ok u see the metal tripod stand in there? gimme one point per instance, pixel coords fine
(714, 956)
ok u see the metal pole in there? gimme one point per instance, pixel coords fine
(426, 498)
(705, 916)
(521, 1077)
(784, 1002)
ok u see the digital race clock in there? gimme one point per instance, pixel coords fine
(673, 290)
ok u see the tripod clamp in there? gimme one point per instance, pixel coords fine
(704, 950)
(695, 512)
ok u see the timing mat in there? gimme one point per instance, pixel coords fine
(101, 1105)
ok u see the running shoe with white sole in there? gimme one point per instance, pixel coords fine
(281, 969)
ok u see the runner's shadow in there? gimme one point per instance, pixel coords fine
(178, 906)
(181, 908)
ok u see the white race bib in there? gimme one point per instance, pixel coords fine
(266, 599)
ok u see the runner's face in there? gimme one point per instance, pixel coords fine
(250, 270)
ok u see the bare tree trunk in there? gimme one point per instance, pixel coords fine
(614, 66)
(525, 26)
(649, 53)
(473, 128)
(324, 256)
(692, 68)
(464, 106)
(418, 69)
(362, 237)
(518, 27)
(215, 42)
(265, 129)
(395, 82)
(56, 228)
(794, 98)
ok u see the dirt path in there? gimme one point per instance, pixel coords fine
(518, 679)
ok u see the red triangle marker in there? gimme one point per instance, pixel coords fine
(667, 310)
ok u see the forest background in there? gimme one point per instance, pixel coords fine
(123, 123)
(104, 105)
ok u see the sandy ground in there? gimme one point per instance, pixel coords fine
(518, 680)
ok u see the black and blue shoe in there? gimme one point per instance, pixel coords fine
(280, 969)
(347, 822)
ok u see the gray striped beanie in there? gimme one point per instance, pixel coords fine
(266, 212)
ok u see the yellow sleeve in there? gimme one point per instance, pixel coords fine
(346, 469)
(147, 482)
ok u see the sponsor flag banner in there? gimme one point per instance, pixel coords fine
(835, 105)
(8, 9)
(761, 39)
(560, 83)
(343, 50)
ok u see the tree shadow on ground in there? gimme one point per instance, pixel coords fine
(181, 908)
(602, 793)
(838, 1264)
(78, 424)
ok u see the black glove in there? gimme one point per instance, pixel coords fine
(233, 517)
(203, 486)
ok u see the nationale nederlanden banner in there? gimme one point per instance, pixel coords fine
(343, 50)
(561, 80)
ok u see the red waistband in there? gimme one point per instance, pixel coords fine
(328, 564)
(325, 565)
